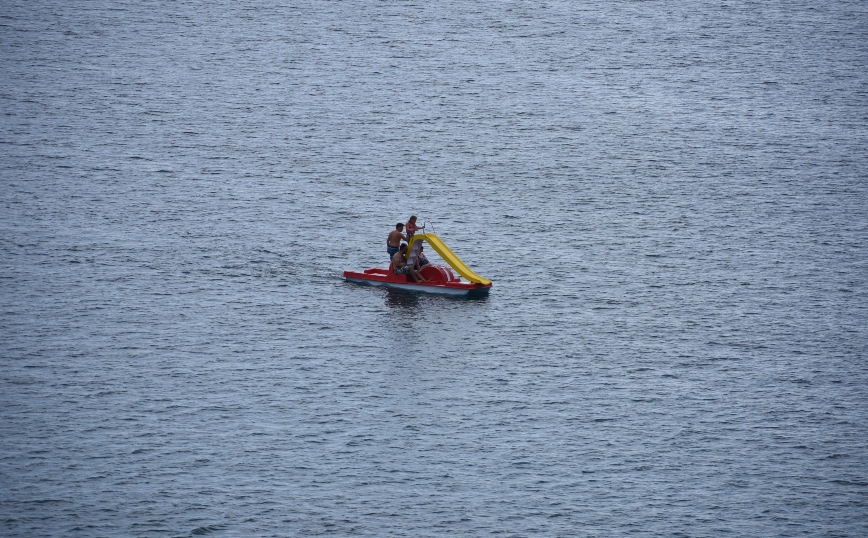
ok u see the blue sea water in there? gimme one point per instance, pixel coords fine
(671, 199)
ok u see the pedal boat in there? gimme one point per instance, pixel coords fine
(441, 279)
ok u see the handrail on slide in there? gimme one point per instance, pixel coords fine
(448, 256)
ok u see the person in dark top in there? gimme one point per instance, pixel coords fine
(421, 260)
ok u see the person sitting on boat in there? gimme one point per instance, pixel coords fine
(412, 228)
(400, 267)
(394, 240)
(421, 260)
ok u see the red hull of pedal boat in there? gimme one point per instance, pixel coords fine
(441, 280)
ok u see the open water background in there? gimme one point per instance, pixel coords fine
(670, 197)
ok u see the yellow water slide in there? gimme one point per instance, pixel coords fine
(448, 256)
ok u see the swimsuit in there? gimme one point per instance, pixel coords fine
(411, 229)
(391, 250)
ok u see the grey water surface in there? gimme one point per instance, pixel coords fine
(671, 198)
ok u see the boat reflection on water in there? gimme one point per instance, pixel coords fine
(401, 298)
(411, 300)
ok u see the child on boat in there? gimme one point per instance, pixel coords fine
(412, 228)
